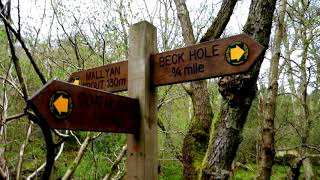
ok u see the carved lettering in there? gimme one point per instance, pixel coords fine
(173, 59)
(98, 101)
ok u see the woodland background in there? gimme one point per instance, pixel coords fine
(271, 112)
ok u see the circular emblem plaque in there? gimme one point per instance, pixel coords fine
(237, 53)
(60, 104)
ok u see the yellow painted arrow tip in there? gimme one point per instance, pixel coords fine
(76, 82)
(61, 104)
(236, 53)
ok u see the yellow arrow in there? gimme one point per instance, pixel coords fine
(236, 53)
(76, 82)
(61, 104)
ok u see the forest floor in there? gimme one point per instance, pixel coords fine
(173, 171)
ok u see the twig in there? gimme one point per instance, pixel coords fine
(116, 162)
(72, 134)
(43, 165)
(12, 84)
(22, 149)
(23, 45)
(15, 60)
(77, 160)
(61, 134)
(49, 142)
(15, 117)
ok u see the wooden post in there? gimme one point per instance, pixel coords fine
(142, 153)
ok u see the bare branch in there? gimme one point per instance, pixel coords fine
(15, 117)
(77, 160)
(16, 62)
(49, 143)
(22, 149)
(23, 45)
(44, 164)
(116, 162)
(13, 85)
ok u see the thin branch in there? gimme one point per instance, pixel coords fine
(44, 164)
(116, 162)
(16, 62)
(58, 133)
(13, 85)
(17, 116)
(78, 141)
(22, 150)
(23, 45)
(49, 142)
(19, 18)
(77, 160)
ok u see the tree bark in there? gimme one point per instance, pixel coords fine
(267, 135)
(295, 170)
(197, 138)
(238, 92)
(4, 172)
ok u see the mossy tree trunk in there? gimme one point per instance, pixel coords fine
(238, 92)
(197, 138)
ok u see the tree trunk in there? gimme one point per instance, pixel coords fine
(238, 92)
(308, 173)
(196, 141)
(295, 170)
(308, 170)
(267, 135)
(4, 173)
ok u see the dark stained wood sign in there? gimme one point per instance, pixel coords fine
(67, 106)
(210, 59)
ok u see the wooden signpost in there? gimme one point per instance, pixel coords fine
(215, 58)
(67, 106)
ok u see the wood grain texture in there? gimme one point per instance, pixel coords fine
(142, 153)
(196, 62)
(201, 61)
(111, 78)
(92, 110)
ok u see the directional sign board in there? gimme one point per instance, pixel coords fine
(68, 106)
(111, 77)
(205, 60)
(215, 58)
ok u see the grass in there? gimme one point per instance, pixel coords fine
(171, 170)
(278, 172)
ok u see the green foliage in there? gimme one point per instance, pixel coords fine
(278, 173)
(170, 170)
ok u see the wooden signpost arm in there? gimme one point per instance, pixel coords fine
(142, 150)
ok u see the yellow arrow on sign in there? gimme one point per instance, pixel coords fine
(76, 82)
(61, 104)
(236, 53)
